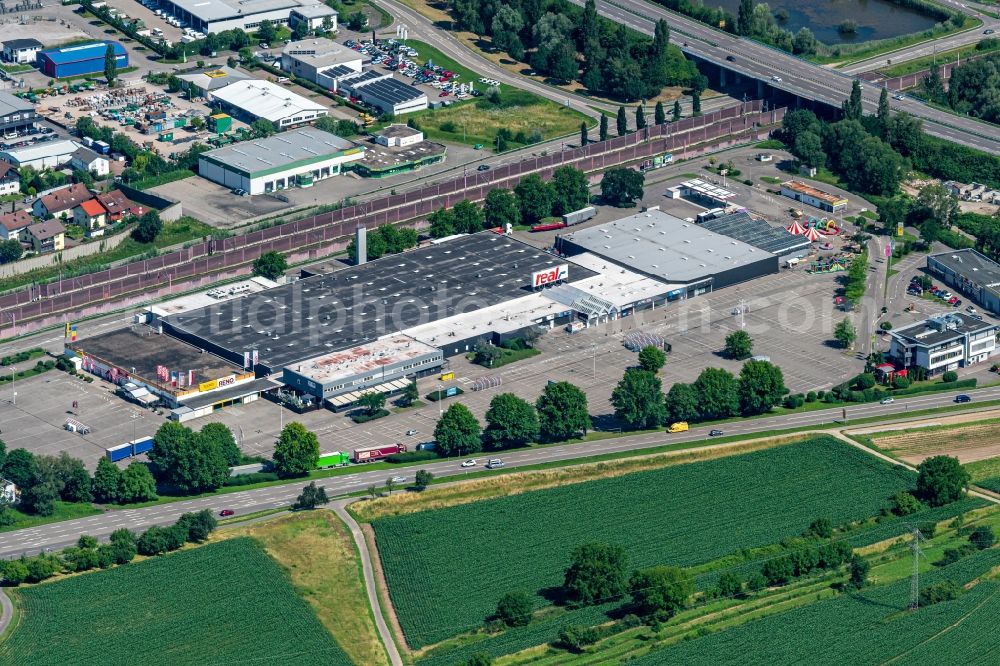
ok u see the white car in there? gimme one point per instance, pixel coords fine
(470, 463)
(776, 78)
(886, 401)
(399, 479)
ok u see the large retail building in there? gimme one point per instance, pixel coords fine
(210, 16)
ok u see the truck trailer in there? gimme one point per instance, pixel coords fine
(373, 453)
(141, 445)
(335, 459)
(120, 452)
(578, 216)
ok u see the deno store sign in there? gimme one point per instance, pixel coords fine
(549, 276)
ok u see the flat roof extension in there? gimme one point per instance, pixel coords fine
(809, 190)
(265, 99)
(757, 232)
(666, 247)
(384, 352)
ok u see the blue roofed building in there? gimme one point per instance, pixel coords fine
(60, 63)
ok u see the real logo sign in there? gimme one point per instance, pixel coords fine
(549, 276)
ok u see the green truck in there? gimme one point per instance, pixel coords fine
(335, 459)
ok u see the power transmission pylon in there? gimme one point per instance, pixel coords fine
(915, 576)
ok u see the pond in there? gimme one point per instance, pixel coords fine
(875, 19)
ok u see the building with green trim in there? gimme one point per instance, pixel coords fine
(398, 149)
(296, 158)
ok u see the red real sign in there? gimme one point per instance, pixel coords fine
(549, 276)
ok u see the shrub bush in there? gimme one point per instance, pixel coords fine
(412, 456)
(949, 377)
(362, 416)
(250, 479)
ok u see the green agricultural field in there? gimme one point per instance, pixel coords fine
(224, 603)
(682, 515)
(869, 627)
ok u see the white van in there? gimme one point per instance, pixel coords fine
(494, 463)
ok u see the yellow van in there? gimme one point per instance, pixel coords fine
(680, 426)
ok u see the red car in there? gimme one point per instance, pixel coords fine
(226, 512)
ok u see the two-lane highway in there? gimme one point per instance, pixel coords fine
(61, 534)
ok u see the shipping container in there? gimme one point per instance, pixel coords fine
(142, 445)
(373, 453)
(120, 452)
(220, 122)
(578, 216)
(335, 459)
(102, 146)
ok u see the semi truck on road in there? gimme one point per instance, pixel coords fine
(374, 453)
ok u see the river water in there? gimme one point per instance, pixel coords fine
(876, 19)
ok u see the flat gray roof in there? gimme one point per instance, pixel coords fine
(279, 150)
(321, 52)
(13, 104)
(666, 247)
(970, 264)
(940, 329)
(217, 10)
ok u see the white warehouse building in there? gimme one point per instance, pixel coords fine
(217, 15)
(253, 99)
(296, 158)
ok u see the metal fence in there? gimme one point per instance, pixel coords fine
(213, 259)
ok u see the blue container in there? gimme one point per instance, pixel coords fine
(141, 446)
(120, 452)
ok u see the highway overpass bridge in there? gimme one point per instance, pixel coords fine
(737, 60)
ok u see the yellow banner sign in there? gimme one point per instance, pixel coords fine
(447, 376)
(208, 386)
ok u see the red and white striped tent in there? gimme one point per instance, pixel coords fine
(813, 234)
(796, 228)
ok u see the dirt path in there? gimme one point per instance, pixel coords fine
(6, 611)
(367, 568)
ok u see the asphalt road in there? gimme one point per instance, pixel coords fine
(423, 29)
(786, 72)
(927, 48)
(65, 533)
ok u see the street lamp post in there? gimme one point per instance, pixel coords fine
(13, 393)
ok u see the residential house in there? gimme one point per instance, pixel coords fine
(63, 200)
(85, 159)
(21, 51)
(15, 225)
(9, 492)
(91, 216)
(47, 236)
(10, 179)
(117, 205)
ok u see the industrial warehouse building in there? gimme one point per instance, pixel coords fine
(253, 99)
(971, 273)
(689, 258)
(204, 83)
(46, 155)
(80, 59)
(16, 114)
(210, 16)
(305, 59)
(296, 158)
(390, 96)
(811, 196)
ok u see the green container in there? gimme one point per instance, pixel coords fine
(167, 136)
(220, 122)
(180, 122)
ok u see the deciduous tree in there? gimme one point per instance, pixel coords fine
(717, 392)
(296, 451)
(514, 609)
(652, 358)
(681, 403)
(562, 412)
(597, 573)
(271, 265)
(571, 190)
(739, 345)
(457, 432)
(622, 187)
(941, 480)
(501, 209)
(311, 497)
(534, 198)
(510, 421)
(660, 591)
(761, 386)
(638, 399)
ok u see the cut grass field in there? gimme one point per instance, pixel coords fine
(323, 564)
(679, 515)
(223, 603)
(956, 439)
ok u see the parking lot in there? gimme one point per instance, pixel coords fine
(45, 402)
